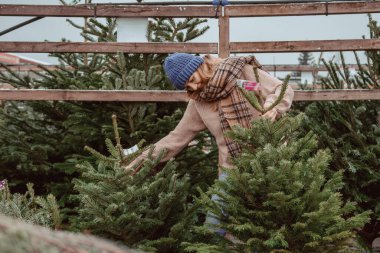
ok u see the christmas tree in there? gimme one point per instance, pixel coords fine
(43, 140)
(148, 209)
(351, 130)
(305, 58)
(279, 197)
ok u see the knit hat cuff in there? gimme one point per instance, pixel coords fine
(187, 72)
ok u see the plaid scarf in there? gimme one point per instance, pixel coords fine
(232, 105)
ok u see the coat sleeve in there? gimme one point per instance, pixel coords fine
(270, 90)
(188, 127)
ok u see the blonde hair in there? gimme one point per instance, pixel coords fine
(205, 71)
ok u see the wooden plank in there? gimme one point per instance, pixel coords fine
(292, 67)
(302, 9)
(170, 47)
(254, 10)
(156, 11)
(46, 10)
(328, 95)
(224, 37)
(305, 46)
(107, 47)
(27, 68)
(306, 68)
(110, 10)
(94, 95)
(300, 68)
(168, 96)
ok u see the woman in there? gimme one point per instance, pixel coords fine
(215, 102)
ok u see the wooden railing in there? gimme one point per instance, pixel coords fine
(167, 96)
(223, 48)
(279, 67)
(256, 10)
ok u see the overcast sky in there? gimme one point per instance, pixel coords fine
(241, 29)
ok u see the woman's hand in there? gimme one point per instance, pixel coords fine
(132, 164)
(272, 115)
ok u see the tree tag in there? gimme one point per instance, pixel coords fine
(248, 85)
(131, 150)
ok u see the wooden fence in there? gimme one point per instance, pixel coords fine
(269, 67)
(223, 48)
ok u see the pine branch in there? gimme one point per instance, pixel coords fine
(117, 136)
(252, 99)
(98, 155)
(280, 96)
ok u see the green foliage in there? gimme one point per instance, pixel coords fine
(167, 29)
(279, 198)
(149, 210)
(43, 140)
(30, 208)
(351, 130)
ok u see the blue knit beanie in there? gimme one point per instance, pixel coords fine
(179, 67)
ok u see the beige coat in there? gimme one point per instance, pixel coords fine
(202, 115)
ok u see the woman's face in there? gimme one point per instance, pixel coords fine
(194, 82)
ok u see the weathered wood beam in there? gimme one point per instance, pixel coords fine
(94, 95)
(301, 68)
(306, 68)
(110, 10)
(27, 68)
(156, 11)
(254, 10)
(168, 96)
(107, 47)
(170, 47)
(336, 95)
(305, 46)
(302, 9)
(280, 67)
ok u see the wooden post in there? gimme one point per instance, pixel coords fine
(224, 36)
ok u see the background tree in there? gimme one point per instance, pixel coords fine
(43, 140)
(350, 129)
(305, 58)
